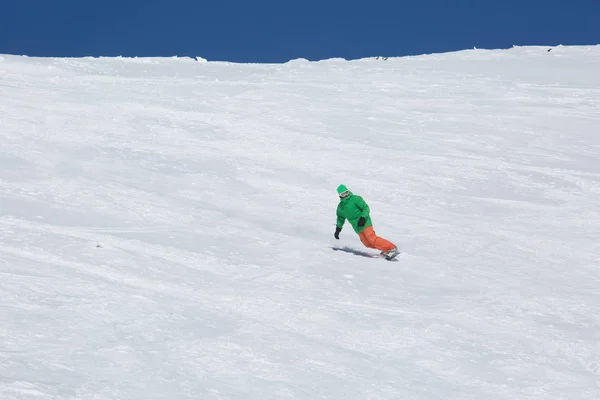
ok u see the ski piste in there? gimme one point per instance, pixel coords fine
(210, 188)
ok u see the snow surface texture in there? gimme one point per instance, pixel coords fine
(166, 228)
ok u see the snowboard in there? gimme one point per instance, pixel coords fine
(391, 257)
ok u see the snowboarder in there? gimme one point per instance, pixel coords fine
(354, 209)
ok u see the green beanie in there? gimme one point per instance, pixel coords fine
(341, 189)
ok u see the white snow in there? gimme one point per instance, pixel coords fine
(166, 227)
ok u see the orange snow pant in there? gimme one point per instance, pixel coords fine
(370, 239)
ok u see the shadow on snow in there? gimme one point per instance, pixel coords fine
(350, 250)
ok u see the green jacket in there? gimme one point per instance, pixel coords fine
(351, 208)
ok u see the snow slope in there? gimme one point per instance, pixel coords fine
(166, 228)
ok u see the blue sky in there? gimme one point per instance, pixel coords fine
(269, 31)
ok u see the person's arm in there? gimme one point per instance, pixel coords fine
(363, 207)
(339, 223)
(340, 219)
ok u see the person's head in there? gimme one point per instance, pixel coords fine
(343, 192)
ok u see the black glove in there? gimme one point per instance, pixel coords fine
(362, 221)
(337, 232)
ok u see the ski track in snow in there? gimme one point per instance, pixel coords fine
(166, 228)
